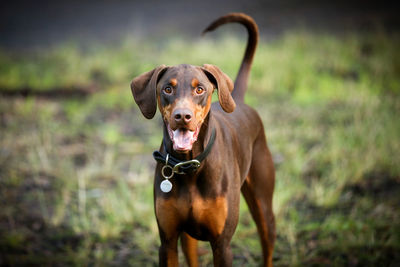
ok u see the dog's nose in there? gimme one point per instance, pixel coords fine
(182, 115)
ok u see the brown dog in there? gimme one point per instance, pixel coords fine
(209, 153)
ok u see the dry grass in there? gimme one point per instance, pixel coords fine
(76, 175)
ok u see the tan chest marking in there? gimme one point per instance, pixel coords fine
(170, 213)
(211, 212)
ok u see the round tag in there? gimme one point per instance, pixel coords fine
(166, 186)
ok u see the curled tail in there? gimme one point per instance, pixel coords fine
(244, 71)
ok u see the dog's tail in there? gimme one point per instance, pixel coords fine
(244, 71)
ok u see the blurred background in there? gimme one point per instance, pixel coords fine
(75, 152)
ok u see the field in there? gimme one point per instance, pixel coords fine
(76, 170)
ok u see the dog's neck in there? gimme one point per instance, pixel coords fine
(198, 146)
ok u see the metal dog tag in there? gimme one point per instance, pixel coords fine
(166, 186)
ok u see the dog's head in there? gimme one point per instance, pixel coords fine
(183, 95)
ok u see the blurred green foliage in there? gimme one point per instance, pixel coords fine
(76, 174)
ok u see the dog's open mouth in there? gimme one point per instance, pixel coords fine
(183, 139)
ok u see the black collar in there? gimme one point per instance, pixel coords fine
(184, 167)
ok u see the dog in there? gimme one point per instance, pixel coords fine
(210, 152)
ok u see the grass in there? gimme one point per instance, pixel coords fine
(76, 174)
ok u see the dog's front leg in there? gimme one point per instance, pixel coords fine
(168, 227)
(222, 253)
(168, 253)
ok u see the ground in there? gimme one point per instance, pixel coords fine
(76, 171)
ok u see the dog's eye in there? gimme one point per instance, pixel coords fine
(199, 90)
(168, 90)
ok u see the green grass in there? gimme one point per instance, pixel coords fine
(76, 175)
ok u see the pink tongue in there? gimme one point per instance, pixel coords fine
(183, 139)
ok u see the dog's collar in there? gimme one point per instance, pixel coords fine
(182, 167)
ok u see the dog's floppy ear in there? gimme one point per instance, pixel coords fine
(144, 90)
(224, 85)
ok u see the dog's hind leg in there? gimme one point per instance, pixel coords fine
(189, 248)
(257, 190)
